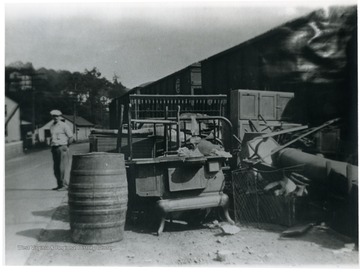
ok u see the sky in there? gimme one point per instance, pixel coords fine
(139, 42)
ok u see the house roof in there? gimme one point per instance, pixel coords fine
(144, 84)
(133, 90)
(79, 121)
(11, 99)
(194, 65)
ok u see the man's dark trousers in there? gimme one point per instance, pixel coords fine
(60, 158)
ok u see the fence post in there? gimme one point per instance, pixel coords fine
(130, 134)
(119, 136)
(166, 131)
(178, 127)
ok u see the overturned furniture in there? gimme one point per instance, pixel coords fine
(177, 178)
(282, 183)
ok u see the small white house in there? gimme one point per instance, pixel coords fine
(83, 129)
(13, 143)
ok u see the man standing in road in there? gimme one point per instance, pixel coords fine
(61, 138)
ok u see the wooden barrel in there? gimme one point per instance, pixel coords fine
(98, 196)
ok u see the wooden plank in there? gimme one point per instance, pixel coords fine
(154, 121)
(283, 131)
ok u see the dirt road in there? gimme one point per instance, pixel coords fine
(37, 233)
(182, 245)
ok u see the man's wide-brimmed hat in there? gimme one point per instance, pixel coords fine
(55, 113)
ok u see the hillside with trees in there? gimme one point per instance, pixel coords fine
(38, 91)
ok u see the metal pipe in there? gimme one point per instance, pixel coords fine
(318, 169)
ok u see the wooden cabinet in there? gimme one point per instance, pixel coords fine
(248, 104)
(257, 106)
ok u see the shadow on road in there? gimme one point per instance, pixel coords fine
(46, 213)
(55, 235)
(152, 227)
(149, 222)
(32, 233)
(43, 235)
(9, 189)
(325, 239)
(60, 213)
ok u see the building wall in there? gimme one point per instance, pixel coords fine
(20, 81)
(313, 56)
(41, 131)
(13, 129)
(82, 132)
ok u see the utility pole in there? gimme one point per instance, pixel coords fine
(74, 118)
(33, 117)
(74, 115)
(103, 105)
(32, 83)
(33, 110)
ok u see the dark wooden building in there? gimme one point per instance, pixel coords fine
(314, 56)
(186, 81)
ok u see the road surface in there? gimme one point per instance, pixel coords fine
(29, 201)
(38, 234)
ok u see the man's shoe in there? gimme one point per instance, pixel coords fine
(62, 189)
(54, 189)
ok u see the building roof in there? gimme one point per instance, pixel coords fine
(144, 84)
(194, 65)
(273, 32)
(133, 90)
(79, 121)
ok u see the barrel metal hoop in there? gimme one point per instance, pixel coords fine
(96, 203)
(98, 212)
(97, 225)
(100, 186)
(96, 195)
(107, 172)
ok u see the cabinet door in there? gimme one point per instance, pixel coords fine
(267, 105)
(149, 180)
(248, 105)
(282, 101)
(186, 178)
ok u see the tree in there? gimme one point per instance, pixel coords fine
(60, 90)
(117, 88)
(90, 87)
